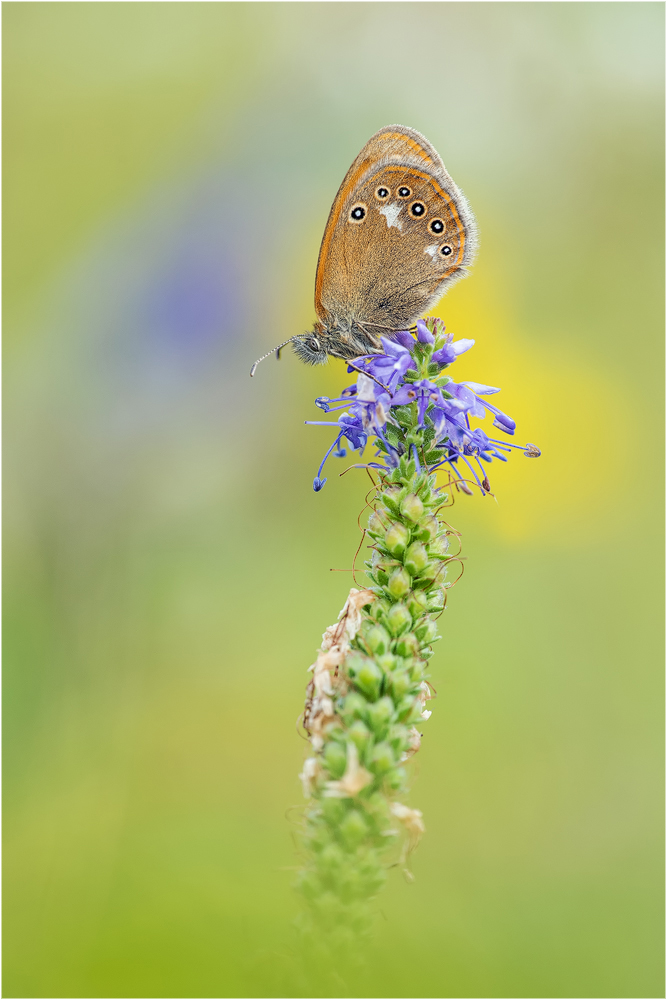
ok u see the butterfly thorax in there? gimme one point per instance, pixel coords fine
(334, 337)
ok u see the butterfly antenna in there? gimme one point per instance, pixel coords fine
(274, 350)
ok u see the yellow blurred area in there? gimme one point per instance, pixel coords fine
(567, 407)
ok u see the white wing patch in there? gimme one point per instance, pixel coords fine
(433, 251)
(391, 213)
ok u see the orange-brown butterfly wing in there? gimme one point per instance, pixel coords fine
(412, 237)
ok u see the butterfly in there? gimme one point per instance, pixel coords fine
(399, 234)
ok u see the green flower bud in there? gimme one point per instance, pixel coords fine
(436, 600)
(379, 608)
(428, 528)
(390, 500)
(397, 538)
(417, 604)
(382, 758)
(335, 759)
(409, 709)
(353, 884)
(354, 707)
(439, 546)
(359, 734)
(399, 583)
(333, 810)
(378, 807)
(331, 857)
(412, 507)
(369, 679)
(407, 645)
(379, 567)
(398, 738)
(354, 662)
(426, 632)
(380, 715)
(398, 619)
(387, 662)
(377, 639)
(400, 684)
(432, 575)
(416, 670)
(416, 558)
(421, 485)
(353, 829)
(397, 779)
(375, 525)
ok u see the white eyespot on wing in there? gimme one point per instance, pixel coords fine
(391, 213)
(433, 251)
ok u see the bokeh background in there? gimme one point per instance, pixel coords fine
(169, 168)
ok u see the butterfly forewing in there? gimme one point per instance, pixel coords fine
(399, 233)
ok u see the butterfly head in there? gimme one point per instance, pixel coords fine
(310, 347)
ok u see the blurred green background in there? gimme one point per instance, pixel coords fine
(169, 168)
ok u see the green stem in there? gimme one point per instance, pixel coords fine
(367, 701)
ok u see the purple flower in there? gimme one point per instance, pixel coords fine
(451, 349)
(444, 408)
(424, 335)
(388, 368)
(423, 392)
(405, 339)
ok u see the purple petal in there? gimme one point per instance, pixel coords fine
(424, 335)
(406, 394)
(366, 389)
(405, 339)
(421, 409)
(479, 389)
(391, 347)
(445, 355)
(461, 346)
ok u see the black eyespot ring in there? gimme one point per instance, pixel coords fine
(358, 212)
(382, 193)
(417, 209)
(445, 250)
(436, 226)
(404, 192)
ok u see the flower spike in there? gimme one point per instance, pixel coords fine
(367, 698)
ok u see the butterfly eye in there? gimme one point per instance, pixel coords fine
(445, 250)
(417, 209)
(382, 193)
(436, 226)
(404, 192)
(358, 212)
